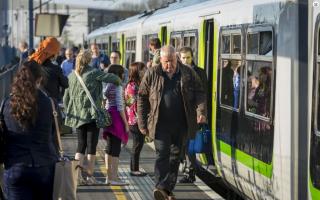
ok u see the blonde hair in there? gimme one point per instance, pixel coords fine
(82, 60)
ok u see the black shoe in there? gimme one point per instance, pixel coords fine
(187, 179)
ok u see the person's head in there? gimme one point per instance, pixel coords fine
(23, 45)
(48, 49)
(168, 59)
(82, 61)
(24, 93)
(94, 49)
(115, 57)
(62, 51)
(186, 56)
(154, 44)
(69, 54)
(136, 71)
(116, 69)
(31, 51)
(254, 81)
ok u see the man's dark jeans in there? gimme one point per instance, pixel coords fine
(29, 183)
(168, 144)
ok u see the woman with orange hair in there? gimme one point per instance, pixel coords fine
(46, 53)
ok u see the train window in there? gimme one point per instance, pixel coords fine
(193, 43)
(230, 83)
(226, 44)
(258, 90)
(130, 52)
(236, 44)
(252, 40)
(265, 43)
(186, 41)
(260, 43)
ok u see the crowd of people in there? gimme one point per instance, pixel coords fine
(164, 100)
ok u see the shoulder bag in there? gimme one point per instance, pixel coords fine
(202, 141)
(104, 118)
(66, 170)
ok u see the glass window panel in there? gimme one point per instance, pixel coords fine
(253, 43)
(259, 87)
(186, 41)
(230, 83)
(318, 101)
(265, 44)
(193, 43)
(236, 44)
(226, 44)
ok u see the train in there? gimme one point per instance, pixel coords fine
(266, 128)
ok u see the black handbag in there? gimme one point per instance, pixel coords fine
(3, 130)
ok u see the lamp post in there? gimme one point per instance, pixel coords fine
(31, 23)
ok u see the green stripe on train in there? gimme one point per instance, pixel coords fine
(249, 161)
(315, 193)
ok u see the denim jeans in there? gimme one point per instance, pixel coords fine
(23, 182)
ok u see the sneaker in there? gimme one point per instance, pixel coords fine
(137, 173)
(117, 183)
(171, 196)
(187, 179)
(91, 180)
(159, 194)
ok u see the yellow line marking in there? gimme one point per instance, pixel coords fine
(116, 190)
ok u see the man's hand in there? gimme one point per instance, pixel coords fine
(144, 131)
(201, 119)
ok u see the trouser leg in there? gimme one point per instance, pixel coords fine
(138, 141)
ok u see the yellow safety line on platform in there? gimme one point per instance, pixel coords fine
(116, 190)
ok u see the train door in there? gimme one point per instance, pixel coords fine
(206, 61)
(245, 112)
(314, 163)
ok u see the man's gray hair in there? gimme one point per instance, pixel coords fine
(167, 50)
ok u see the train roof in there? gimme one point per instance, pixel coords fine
(164, 14)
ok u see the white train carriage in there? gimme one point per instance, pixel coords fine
(255, 54)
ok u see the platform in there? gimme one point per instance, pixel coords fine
(139, 188)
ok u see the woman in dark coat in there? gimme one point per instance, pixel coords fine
(29, 152)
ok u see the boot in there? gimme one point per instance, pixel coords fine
(189, 177)
(80, 157)
(114, 173)
(91, 180)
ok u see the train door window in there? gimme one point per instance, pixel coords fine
(236, 44)
(176, 40)
(226, 44)
(230, 83)
(145, 46)
(253, 44)
(231, 69)
(260, 43)
(190, 40)
(130, 55)
(259, 73)
(258, 90)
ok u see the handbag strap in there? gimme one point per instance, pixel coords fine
(55, 116)
(86, 90)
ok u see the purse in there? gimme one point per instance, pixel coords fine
(66, 170)
(202, 141)
(104, 119)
